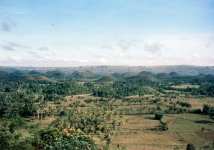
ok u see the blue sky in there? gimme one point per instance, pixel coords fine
(106, 32)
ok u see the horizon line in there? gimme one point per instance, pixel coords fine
(79, 66)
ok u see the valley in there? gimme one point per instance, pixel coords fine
(147, 111)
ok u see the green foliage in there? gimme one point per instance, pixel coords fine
(46, 139)
(163, 126)
(93, 120)
(176, 109)
(17, 103)
(26, 93)
(184, 104)
(190, 147)
(10, 140)
(24, 98)
(54, 139)
(195, 111)
(158, 115)
(206, 109)
(207, 90)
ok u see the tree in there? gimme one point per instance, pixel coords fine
(206, 109)
(158, 116)
(190, 147)
(66, 139)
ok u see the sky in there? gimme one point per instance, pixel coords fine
(63, 33)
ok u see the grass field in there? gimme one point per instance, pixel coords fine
(140, 132)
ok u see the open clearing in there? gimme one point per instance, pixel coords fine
(139, 132)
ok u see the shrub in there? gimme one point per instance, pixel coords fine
(211, 112)
(62, 113)
(68, 139)
(12, 141)
(190, 147)
(163, 126)
(184, 104)
(158, 115)
(205, 109)
(195, 111)
(208, 110)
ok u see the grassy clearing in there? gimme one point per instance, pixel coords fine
(185, 86)
(140, 132)
(198, 102)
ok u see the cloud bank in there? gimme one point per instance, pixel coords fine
(195, 49)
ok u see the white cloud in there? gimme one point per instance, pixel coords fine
(160, 49)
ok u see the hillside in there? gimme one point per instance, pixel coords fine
(133, 70)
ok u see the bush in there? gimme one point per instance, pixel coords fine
(158, 116)
(184, 104)
(16, 122)
(176, 110)
(190, 147)
(68, 139)
(206, 109)
(163, 126)
(196, 111)
(62, 113)
(12, 141)
(211, 112)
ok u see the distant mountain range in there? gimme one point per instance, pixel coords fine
(108, 70)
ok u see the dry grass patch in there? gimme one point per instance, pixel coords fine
(199, 102)
(138, 134)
